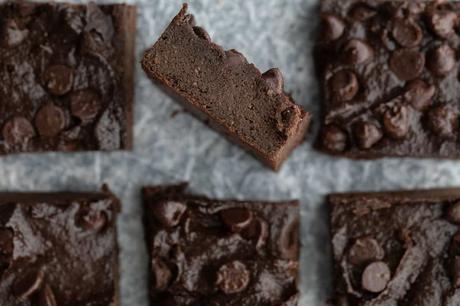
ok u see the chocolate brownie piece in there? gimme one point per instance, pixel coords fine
(66, 77)
(227, 92)
(389, 76)
(58, 249)
(396, 248)
(211, 252)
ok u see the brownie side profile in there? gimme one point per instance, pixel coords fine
(396, 248)
(58, 249)
(227, 92)
(66, 77)
(214, 252)
(389, 77)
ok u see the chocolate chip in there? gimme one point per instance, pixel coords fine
(288, 242)
(334, 139)
(367, 134)
(357, 51)
(13, 35)
(287, 120)
(376, 277)
(362, 12)
(58, 79)
(50, 120)
(407, 32)
(407, 64)
(442, 23)
(443, 122)
(419, 94)
(18, 131)
(365, 250)
(201, 33)
(162, 275)
(274, 80)
(233, 277)
(29, 282)
(441, 60)
(107, 132)
(93, 220)
(46, 297)
(258, 230)
(168, 213)
(456, 271)
(396, 121)
(332, 27)
(85, 105)
(453, 214)
(236, 219)
(344, 85)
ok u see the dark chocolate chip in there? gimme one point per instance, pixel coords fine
(344, 85)
(233, 277)
(356, 51)
(362, 12)
(407, 64)
(443, 122)
(58, 79)
(46, 297)
(419, 94)
(287, 119)
(236, 219)
(85, 105)
(376, 277)
(332, 27)
(334, 139)
(13, 35)
(258, 230)
(162, 275)
(288, 242)
(365, 250)
(396, 121)
(407, 32)
(50, 120)
(168, 213)
(107, 132)
(274, 80)
(441, 60)
(201, 33)
(93, 220)
(29, 282)
(367, 134)
(453, 214)
(456, 271)
(442, 23)
(18, 131)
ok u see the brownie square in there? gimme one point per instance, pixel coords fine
(58, 249)
(214, 252)
(396, 248)
(66, 77)
(222, 88)
(389, 77)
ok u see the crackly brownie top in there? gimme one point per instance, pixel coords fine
(61, 73)
(209, 252)
(397, 248)
(58, 249)
(390, 78)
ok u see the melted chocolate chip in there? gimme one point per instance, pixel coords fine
(85, 105)
(442, 23)
(396, 121)
(407, 64)
(258, 230)
(357, 51)
(107, 132)
(441, 60)
(288, 243)
(334, 139)
(46, 297)
(18, 131)
(93, 220)
(332, 27)
(344, 85)
(168, 213)
(443, 122)
(419, 94)
(274, 80)
(407, 33)
(29, 283)
(365, 250)
(233, 277)
(367, 134)
(376, 277)
(50, 120)
(201, 33)
(453, 213)
(236, 219)
(58, 79)
(162, 275)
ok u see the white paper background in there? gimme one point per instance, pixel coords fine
(271, 33)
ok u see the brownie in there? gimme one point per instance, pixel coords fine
(389, 77)
(396, 248)
(214, 252)
(66, 77)
(227, 92)
(58, 249)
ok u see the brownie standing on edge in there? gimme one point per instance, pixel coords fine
(396, 248)
(211, 252)
(58, 249)
(227, 92)
(66, 77)
(390, 81)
